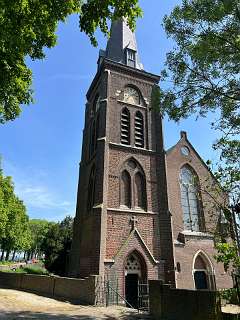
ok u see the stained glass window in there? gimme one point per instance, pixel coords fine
(189, 198)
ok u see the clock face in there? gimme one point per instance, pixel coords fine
(131, 96)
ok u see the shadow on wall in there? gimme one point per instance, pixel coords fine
(49, 316)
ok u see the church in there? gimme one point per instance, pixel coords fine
(140, 213)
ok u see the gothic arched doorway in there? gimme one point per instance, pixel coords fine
(204, 278)
(135, 271)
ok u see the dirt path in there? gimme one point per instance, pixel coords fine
(22, 305)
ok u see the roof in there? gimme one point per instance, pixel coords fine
(121, 38)
(183, 137)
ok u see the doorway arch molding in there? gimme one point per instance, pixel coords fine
(204, 275)
(205, 258)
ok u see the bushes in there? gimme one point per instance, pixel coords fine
(229, 295)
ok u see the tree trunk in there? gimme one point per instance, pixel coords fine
(14, 254)
(28, 255)
(7, 255)
(32, 255)
(2, 255)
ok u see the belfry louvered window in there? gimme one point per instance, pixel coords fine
(125, 126)
(139, 130)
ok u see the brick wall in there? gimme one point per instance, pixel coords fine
(179, 304)
(100, 234)
(187, 246)
(78, 290)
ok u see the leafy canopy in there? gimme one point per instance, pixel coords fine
(29, 26)
(202, 75)
(56, 245)
(14, 226)
(202, 72)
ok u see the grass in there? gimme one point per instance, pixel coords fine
(6, 263)
(31, 269)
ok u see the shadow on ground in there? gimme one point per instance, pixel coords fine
(47, 316)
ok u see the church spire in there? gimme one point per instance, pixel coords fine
(122, 45)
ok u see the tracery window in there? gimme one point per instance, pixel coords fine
(126, 189)
(139, 191)
(97, 103)
(133, 186)
(133, 265)
(91, 190)
(190, 199)
(125, 126)
(92, 141)
(94, 126)
(139, 130)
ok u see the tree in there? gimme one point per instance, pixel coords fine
(14, 227)
(38, 230)
(203, 69)
(27, 27)
(5, 188)
(17, 235)
(56, 246)
(202, 75)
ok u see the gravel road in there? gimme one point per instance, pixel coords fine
(23, 305)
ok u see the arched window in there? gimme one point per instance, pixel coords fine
(139, 191)
(126, 189)
(133, 186)
(125, 126)
(190, 199)
(96, 104)
(139, 130)
(92, 141)
(97, 129)
(91, 190)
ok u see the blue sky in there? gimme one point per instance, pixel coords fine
(41, 150)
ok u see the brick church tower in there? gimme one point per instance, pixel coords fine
(122, 226)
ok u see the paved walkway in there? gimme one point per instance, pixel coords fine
(22, 305)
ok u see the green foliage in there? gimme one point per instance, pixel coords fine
(5, 263)
(56, 246)
(229, 295)
(96, 13)
(38, 229)
(14, 226)
(32, 269)
(203, 69)
(156, 98)
(228, 255)
(27, 27)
